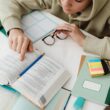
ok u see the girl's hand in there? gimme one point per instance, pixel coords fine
(73, 31)
(19, 42)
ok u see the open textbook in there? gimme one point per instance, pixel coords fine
(38, 77)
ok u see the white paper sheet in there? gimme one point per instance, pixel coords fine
(87, 106)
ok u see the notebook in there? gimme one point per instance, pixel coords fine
(38, 77)
(96, 89)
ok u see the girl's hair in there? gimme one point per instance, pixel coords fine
(107, 108)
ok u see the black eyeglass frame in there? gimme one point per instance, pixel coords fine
(53, 37)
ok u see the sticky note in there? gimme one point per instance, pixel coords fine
(92, 86)
(95, 67)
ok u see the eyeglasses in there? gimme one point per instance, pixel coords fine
(50, 39)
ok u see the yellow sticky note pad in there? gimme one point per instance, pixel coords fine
(95, 67)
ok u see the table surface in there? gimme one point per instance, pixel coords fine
(67, 53)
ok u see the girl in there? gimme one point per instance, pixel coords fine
(92, 16)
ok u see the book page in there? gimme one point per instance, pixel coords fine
(11, 66)
(23, 104)
(35, 25)
(7, 98)
(37, 80)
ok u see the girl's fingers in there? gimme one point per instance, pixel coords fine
(64, 27)
(74, 27)
(30, 47)
(19, 46)
(14, 44)
(60, 32)
(24, 48)
(10, 42)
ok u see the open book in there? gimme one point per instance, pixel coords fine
(38, 77)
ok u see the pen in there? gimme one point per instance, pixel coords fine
(67, 102)
(38, 58)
